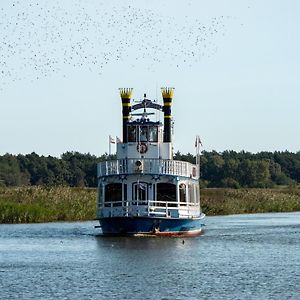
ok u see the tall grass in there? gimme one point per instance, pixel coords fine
(239, 201)
(46, 204)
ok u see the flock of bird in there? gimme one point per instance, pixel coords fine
(40, 40)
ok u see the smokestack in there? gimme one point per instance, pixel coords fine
(125, 94)
(167, 94)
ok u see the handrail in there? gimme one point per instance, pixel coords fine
(150, 203)
(153, 208)
(147, 202)
(147, 166)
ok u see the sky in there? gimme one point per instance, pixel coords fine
(234, 64)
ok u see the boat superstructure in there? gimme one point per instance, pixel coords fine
(144, 191)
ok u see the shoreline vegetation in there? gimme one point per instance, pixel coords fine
(37, 204)
(227, 169)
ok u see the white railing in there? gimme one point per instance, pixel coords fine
(147, 166)
(152, 208)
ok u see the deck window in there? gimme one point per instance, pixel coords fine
(166, 192)
(182, 193)
(139, 192)
(191, 193)
(197, 193)
(113, 193)
(125, 192)
(100, 195)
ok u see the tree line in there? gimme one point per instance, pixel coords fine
(218, 169)
(244, 169)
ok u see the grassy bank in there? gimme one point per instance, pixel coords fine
(46, 204)
(42, 204)
(240, 201)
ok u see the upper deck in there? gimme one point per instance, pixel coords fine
(147, 166)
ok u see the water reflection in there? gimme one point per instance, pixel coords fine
(237, 257)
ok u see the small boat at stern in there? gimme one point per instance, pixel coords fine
(144, 191)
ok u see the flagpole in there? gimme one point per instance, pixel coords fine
(109, 145)
(197, 144)
(199, 155)
(199, 166)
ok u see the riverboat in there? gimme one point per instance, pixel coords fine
(144, 191)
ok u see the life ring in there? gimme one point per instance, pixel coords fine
(142, 148)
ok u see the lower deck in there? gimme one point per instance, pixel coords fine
(148, 196)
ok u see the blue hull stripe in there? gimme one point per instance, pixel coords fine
(146, 225)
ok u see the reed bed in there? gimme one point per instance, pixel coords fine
(240, 201)
(47, 204)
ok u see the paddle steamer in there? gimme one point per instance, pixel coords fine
(144, 191)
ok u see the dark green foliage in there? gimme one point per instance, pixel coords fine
(186, 157)
(72, 169)
(11, 173)
(225, 169)
(243, 169)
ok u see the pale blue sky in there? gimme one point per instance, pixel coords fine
(234, 64)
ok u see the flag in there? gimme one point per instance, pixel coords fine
(111, 140)
(198, 142)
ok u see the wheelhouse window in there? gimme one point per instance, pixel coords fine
(153, 134)
(143, 133)
(113, 193)
(132, 133)
(166, 192)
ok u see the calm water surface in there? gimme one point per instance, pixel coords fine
(238, 257)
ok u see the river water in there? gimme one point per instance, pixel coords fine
(238, 257)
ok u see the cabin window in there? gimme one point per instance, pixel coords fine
(125, 192)
(143, 133)
(197, 193)
(100, 195)
(132, 131)
(139, 190)
(182, 193)
(153, 134)
(166, 192)
(113, 193)
(191, 193)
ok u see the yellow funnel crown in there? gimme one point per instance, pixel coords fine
(167, 92)
(125, 93)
